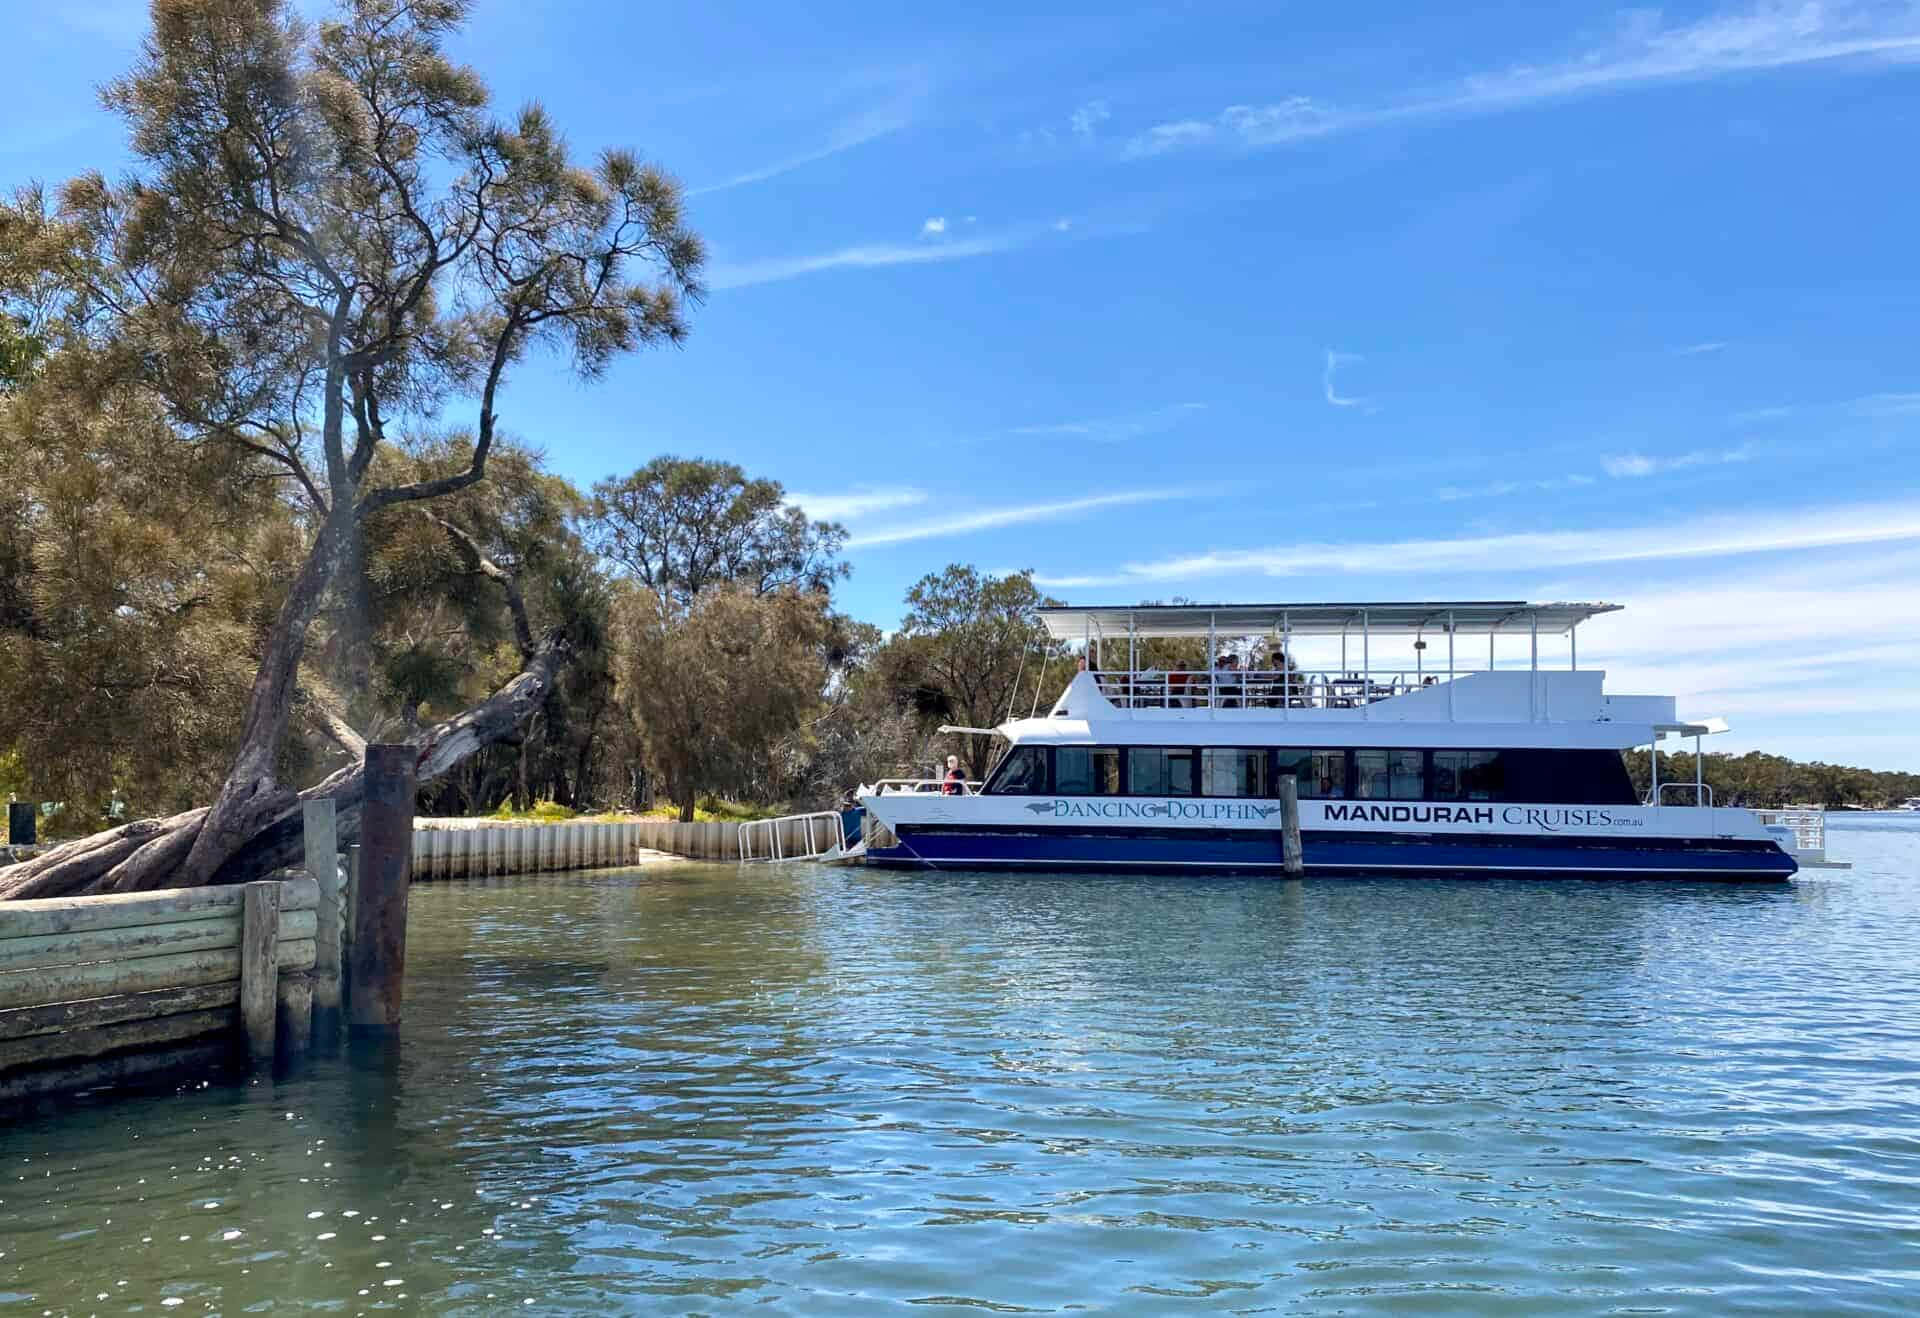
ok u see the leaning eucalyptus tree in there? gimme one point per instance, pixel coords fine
(327, 239)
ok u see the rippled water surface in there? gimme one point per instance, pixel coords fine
(693, 1089)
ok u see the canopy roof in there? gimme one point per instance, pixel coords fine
(1469, 618)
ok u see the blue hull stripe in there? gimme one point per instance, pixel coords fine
(1332, 853)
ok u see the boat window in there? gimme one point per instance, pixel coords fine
(1468, 776)
(1160, 771)
(1318, 775)
(1236, 772)
(1568, 777)
(1022, 773)
(1388, 775)
(1086, 771)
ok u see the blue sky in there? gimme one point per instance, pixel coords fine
(1277, 302)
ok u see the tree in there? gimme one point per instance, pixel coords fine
(680, 525)
(712, 687)
(330, 237)
(135, 579)
(968, 646)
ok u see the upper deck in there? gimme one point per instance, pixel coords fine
(1251, 665)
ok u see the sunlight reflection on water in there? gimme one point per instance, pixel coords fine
(691, 1088)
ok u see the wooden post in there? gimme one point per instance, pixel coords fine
(259, 966)
(320, 830)
(1292, 860)
(377, 960)
(295, 999)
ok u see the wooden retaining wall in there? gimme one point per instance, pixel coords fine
(496, 849)
(106, 990)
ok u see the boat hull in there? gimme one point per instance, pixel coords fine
(1330, 853)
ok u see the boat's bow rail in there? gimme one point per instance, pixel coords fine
(909, 786)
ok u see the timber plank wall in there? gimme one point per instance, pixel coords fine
(102, 991)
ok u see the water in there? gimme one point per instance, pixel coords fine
(806, 1090)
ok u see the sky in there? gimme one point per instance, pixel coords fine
(1273, 302)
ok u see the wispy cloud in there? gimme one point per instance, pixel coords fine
(849, 506)
(1335, 360)
(933, 226)
(983, 519)
(1115, 428)
(1698, 349)
(1886, 405)
(1796, 529)
(1643, 50)
(1292, 120)
(1633, 465)
(1552, 484)
(894, 113)
(1087, 119)
(869, 256)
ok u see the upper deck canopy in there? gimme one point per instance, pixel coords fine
(1468, 617)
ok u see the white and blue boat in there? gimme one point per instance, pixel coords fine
(1409, 755)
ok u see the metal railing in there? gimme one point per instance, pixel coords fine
(1807, 827)
(1702, 793)
(1258, 688)
(934, 786)
(818, 826)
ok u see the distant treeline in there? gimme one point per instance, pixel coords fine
(1759, 779)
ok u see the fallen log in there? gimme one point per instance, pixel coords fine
(148, 854)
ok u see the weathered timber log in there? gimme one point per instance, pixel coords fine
(221, 930)
(64, 915)
(260, 967)
(321, 839)
(150, 854)
(295, 1014)
(90, 1013)
(1291, 857)
(104, 1039)
(196, 1059)
(377, 961)
(99, 979)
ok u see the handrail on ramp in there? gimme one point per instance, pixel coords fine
(764, 840)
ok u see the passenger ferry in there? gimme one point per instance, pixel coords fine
(1407, 754)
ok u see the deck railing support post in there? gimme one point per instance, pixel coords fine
(1292, 860)
(377, 960)
(259, 967)
(1449, 665)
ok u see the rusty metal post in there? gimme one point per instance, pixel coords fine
(377, 957)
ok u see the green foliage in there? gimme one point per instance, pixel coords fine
(680, 525)
(713, 688)
(541, 811)
(1759, 780)
(969, 647)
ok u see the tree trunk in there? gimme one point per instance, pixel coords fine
(101, 863)
(250, 798)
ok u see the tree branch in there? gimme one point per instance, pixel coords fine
(516, 603)
(334, 724)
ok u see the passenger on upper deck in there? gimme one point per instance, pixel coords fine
(1226, 682)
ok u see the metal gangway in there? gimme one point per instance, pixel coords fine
(816, 835)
